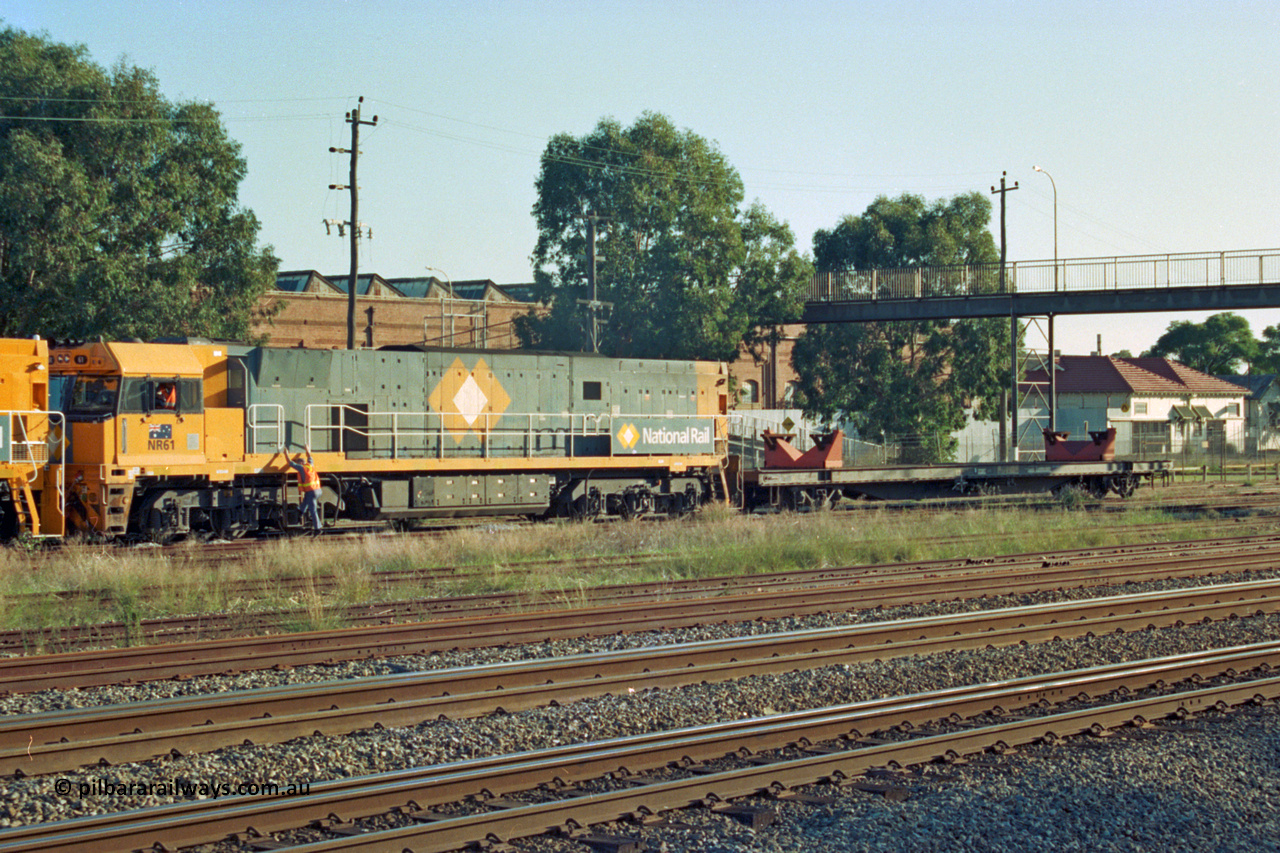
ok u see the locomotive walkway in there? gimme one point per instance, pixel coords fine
(1194, 281)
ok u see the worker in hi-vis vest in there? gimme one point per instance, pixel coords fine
(309, 488)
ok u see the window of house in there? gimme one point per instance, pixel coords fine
(1139, 408)
(750, 392)
(1233, 410)
(1150, 437)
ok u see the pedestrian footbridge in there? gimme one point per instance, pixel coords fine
(1193, 281)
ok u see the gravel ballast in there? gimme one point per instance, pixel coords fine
(1207, 784)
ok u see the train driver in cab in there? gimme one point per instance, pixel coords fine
(166, 396)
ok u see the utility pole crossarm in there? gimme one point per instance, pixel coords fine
(353, 118)
(1013, 320)
(594, 305)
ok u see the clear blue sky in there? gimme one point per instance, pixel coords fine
(1159, 121)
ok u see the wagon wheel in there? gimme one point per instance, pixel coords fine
(1125, 485)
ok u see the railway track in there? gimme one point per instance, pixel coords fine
(1079, 567)
(568, 788)
(115, 734)
(1249, 507)
(822, 592)
(391, 579)
(403, 811)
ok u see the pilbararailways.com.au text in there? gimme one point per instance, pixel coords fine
(102, 788)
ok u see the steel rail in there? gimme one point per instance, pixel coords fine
(38, 672)
(207, 626)
(454, 833)
(341, 801)
(53, 741)
(175, 629)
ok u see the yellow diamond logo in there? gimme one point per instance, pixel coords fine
(469, 400)
(628, 436)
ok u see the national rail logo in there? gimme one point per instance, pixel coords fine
(628, 436)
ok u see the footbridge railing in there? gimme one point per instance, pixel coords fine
(1129, 272)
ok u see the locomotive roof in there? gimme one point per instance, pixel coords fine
(482, 351)
(144, 359)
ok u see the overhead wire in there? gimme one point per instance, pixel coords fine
(583, 162)
(841, 181)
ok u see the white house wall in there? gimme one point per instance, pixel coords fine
(1080, 414)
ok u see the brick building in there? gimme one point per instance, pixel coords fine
(310, 309)
(769, 383)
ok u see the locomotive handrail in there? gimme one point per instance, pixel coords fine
(254, 425)
(435, 425)
(323, 420)
(34, 437)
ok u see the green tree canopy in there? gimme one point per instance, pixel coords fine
(1267, 359)
(905, 378)
(907, 231)
(1222, 344)
(118, 210)
(690, 273)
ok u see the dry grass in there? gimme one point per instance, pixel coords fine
(130, 584)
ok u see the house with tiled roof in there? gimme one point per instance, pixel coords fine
(1262, 410)
(1157, 406)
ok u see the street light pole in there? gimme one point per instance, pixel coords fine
(1053, 356)
(1054, 184)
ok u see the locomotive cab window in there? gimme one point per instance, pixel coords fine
(148, 395)
(93, 397)
(592, 391)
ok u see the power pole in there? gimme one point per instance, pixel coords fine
(353, 118)
(593, 304)
(1013, 321)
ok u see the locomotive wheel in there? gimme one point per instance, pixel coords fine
(636, 503)
(691, 500)
(159, 518)
(226, 526)
(589, 506)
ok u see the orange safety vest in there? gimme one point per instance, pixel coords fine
(309, 480)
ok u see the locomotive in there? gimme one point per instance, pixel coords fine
(168, 440)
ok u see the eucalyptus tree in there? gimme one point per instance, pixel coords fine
(903, 378)
(118, 208)
(1222, 344)
(682, 268)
